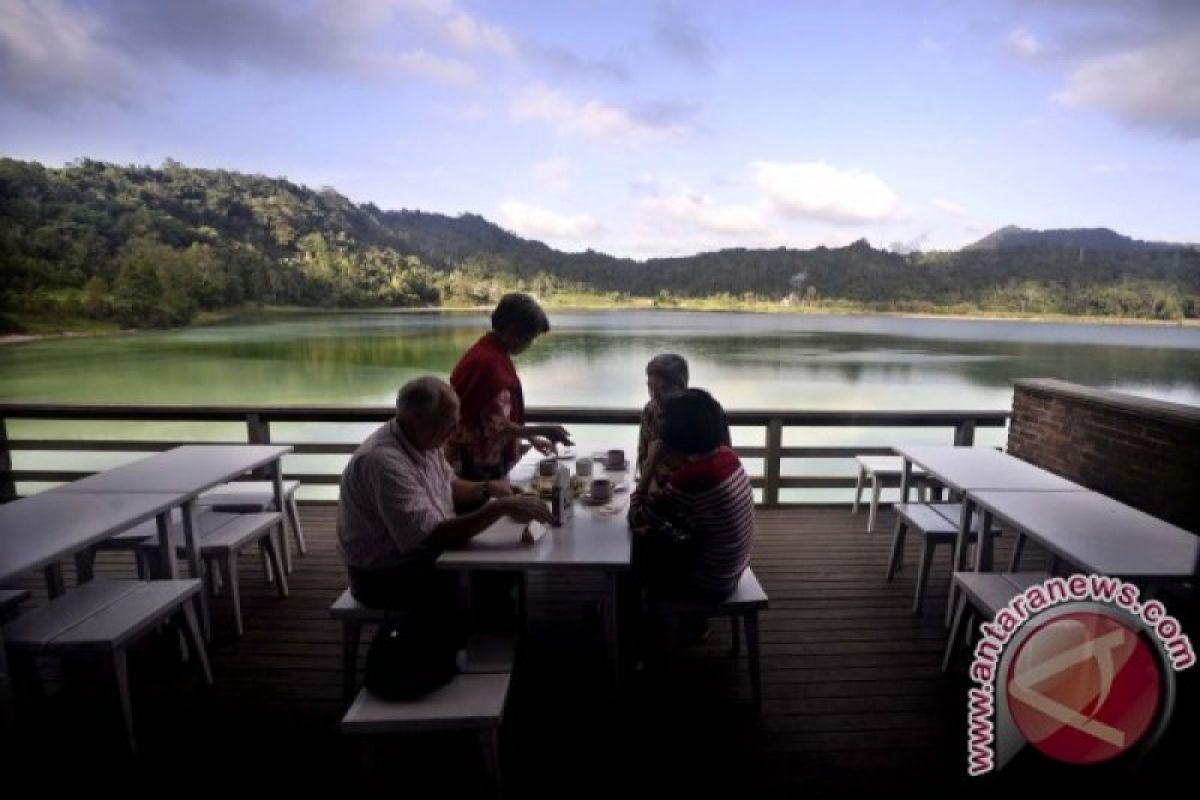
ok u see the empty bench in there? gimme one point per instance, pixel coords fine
(251, 496)
(878, 469)
(473, 700)
(937, 524)
(981, 595)
(742, 607)
(101, 618)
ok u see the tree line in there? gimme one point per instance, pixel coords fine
(149, 247)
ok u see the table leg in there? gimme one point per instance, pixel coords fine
(983, 549)
(166, 549)
(277, 488)
(960, 552)
(55, 585)
(611, 639)
(193, 555)
(905, 480)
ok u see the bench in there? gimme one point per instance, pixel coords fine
(742, 606)
(473, 700)
(101, 618)
(353, 615)
(937, 524)
(251, 496)
(986, 593)
(878, 469)
(222, 537)
(10, 603)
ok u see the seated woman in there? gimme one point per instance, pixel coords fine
(692, 537)
(665, 374)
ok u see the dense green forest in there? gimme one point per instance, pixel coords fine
(146, 247)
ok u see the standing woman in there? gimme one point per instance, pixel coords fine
(492, 418)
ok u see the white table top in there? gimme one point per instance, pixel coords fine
(39, 530)
(190, 469)
(592, 539)
(1097, 533)
(967, 469)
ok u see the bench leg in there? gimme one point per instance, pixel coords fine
(351, 631)
(876, 487)
(121, 673)
(191, 627)
(858, 487)
(956, 632)
(1014, 563)
(230, 566)
(489, 741)
(271, 556)
(293, 516)
(735, 626)
(752, 653)
(897, 557)
(923, 574)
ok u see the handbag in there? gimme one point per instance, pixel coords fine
(409, 657)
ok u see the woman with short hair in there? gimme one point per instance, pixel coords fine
(693, 537)
(492, 403)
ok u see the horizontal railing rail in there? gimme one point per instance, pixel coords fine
(257, 422)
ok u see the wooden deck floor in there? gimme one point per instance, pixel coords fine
(855, 703)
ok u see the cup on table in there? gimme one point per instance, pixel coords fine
(547, 467)
(614, 459)
(583, 467)
(601, 490)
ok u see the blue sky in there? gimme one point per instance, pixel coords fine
(644, 128)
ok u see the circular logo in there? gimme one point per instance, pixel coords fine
(1083, 687)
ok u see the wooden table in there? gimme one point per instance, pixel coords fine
(1096, 533)
(593, 539)
(184, 473)
(968, 470)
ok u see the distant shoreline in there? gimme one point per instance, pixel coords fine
(217, 318)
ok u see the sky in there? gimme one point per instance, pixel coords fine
(643, 128)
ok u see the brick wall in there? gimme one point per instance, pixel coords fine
(1145, 453)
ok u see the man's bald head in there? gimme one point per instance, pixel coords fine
(427, 409)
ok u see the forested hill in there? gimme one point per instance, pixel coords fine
(151, 246)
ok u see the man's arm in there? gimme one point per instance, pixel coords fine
(459, 530)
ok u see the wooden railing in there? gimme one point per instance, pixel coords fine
(258, 419)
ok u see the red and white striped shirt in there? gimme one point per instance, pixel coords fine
(712, 500)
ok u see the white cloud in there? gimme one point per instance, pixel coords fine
(1154, 86)
(1109, 168)
(536, 222)
(817, 190)
(593, 119)
(1023, 43)
(423, 64)
(700, 210)
(930, 43)
(51, 55)
(553, 174)
(468, 33)
(950, 207)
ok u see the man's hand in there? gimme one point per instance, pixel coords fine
(500, 488)
(524, 507)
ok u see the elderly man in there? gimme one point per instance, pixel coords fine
(396, 509)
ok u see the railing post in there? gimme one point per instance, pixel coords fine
(8, 488)
(258, 431)
(964, 433)
(772, 462)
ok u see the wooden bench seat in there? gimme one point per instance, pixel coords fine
(742, 606)
(982, 595)
(100, 618)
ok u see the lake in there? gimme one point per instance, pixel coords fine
(597, 359)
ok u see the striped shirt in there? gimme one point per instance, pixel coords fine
(712, 500)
